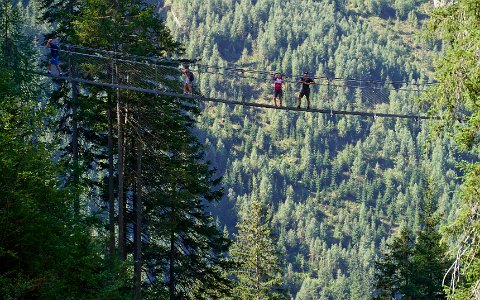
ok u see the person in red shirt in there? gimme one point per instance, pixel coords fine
(187, 79)
(278, 92)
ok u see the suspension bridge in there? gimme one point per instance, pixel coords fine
(161, 77)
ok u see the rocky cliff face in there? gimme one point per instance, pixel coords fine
(438, 3)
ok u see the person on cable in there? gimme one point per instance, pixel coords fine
(305, 91)
(54, 57)
(278, 92)
(187, 79)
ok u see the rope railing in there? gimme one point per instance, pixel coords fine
(115, 70)
(223, 70)
(243, 103)
(156, 75)
(243, 69)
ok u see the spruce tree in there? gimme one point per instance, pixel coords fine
(429, 259)
(414, 268)
(457, 25)
(259, 270)
(125, 19)
(394, 270)
(182, 251)
(44, 252)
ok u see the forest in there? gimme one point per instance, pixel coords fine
(117, 194)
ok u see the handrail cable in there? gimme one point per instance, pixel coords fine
(239, 68)
(236, 102)
(374, 85)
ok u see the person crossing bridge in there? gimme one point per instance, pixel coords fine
(305, 91)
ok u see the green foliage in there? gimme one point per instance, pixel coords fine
(396, 267)
(457, 93)
(44, 253)
(337, 186)
(127, 26)
(456, 97)
(258, 273)
(51, 251)
(184, 252)
(414, 268)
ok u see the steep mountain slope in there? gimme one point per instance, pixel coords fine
(337, 186)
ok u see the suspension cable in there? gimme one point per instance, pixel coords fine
(241, 69)
(236, 102)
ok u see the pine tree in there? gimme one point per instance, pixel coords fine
(67, 95)
(414, 270)
(394, 270)
(175, 240)
(184, 252)
(182, 249)
(457, 25)
(429, 258)
(259, 272)
(44, 252)
(125, 18)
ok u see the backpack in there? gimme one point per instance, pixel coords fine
(191, 77)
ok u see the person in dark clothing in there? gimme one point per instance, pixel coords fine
(54, 57)
(305, 91)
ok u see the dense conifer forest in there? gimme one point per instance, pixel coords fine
(115, 194)
(338, 187)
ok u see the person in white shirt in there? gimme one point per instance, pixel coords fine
(278, 91)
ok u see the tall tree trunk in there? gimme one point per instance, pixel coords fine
(138, 224)
(122, 234)
(121, 196)
(171, 282)
(75, 92)
(76, 166)
(5, 33)
(111, 196)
